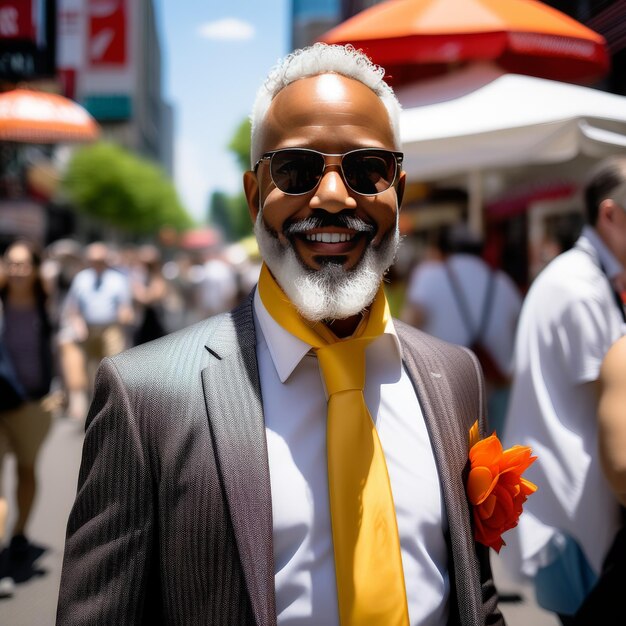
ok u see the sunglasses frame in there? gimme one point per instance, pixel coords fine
(268, 156)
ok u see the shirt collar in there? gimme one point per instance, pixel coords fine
(609, 261)
(287, 351)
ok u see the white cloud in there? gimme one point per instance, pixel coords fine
(229, 28)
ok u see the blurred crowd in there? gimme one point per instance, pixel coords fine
(99, 299)
(64, 308)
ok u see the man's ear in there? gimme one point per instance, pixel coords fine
(400, 188)
(606, 212)
(251, 189)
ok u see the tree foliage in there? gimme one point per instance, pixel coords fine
(240, 145)
(119, 188)
(230, 212)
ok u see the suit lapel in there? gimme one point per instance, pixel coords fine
(233, 399)
(446, 390)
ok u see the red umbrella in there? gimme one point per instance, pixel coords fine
(413, 39)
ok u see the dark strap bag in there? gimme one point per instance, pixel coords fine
(492, 371)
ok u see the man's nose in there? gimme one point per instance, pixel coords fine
(332, 193)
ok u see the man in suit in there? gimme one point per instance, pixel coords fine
(239, 472)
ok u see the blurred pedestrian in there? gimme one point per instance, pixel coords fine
(97, 310)
(149, 290)
(211, 489)
(570, 317)
(181, 285)
(26, 337)
(218, 289)
(453, 294)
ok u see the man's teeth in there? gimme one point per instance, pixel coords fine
(329, 237)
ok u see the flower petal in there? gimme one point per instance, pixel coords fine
(485, 510)
(474, 434)
(496, 489)
(479, 484)
(486, 452)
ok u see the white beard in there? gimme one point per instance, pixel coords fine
(330, 293)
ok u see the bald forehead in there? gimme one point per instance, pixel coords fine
(314, 106)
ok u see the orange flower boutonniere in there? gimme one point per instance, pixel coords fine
(495, 487)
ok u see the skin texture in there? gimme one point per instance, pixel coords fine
(611, 225)
(332, 114)
(612, 418)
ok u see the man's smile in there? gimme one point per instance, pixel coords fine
(330, 237)
(330, 241)
(329, 234)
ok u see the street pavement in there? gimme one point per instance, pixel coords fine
(34, 602)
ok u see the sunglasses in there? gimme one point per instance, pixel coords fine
(367, 171)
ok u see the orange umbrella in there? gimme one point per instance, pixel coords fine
(416, 38)
(38, 117)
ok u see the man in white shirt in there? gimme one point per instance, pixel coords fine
(95, 312)
(222, 479)
(570, 317)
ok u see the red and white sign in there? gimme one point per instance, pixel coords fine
(107, 32)
(16, 20)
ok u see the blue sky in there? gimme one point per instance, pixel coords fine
(215, 55)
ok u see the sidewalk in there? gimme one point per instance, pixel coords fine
(34, 603)
(526, 612)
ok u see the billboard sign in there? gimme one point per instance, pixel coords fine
(27, 39)
(16, 19)
(107, 33)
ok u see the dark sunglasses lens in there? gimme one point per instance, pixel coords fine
(369, 172)
(296, 171)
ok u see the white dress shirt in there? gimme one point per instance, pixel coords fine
(569, 321)
(294, 405)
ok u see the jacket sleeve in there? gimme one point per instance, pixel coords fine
(110, 534)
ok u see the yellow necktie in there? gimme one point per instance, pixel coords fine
(368, 564)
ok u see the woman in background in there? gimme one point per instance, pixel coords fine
(26, 335)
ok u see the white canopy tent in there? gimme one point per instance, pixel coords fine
(481, 119)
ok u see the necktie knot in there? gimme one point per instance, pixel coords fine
(343, 364)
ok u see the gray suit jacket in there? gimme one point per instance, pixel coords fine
(172, 522)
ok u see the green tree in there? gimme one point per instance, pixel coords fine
(119, 188)
(219, 215)
(240, 145)
(230, 212)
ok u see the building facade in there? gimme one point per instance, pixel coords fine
(109, 60)
(312, 18)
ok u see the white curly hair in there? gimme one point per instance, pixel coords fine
(321, 58)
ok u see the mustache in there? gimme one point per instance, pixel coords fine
(329, 220)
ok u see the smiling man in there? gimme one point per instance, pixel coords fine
(302, 459)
